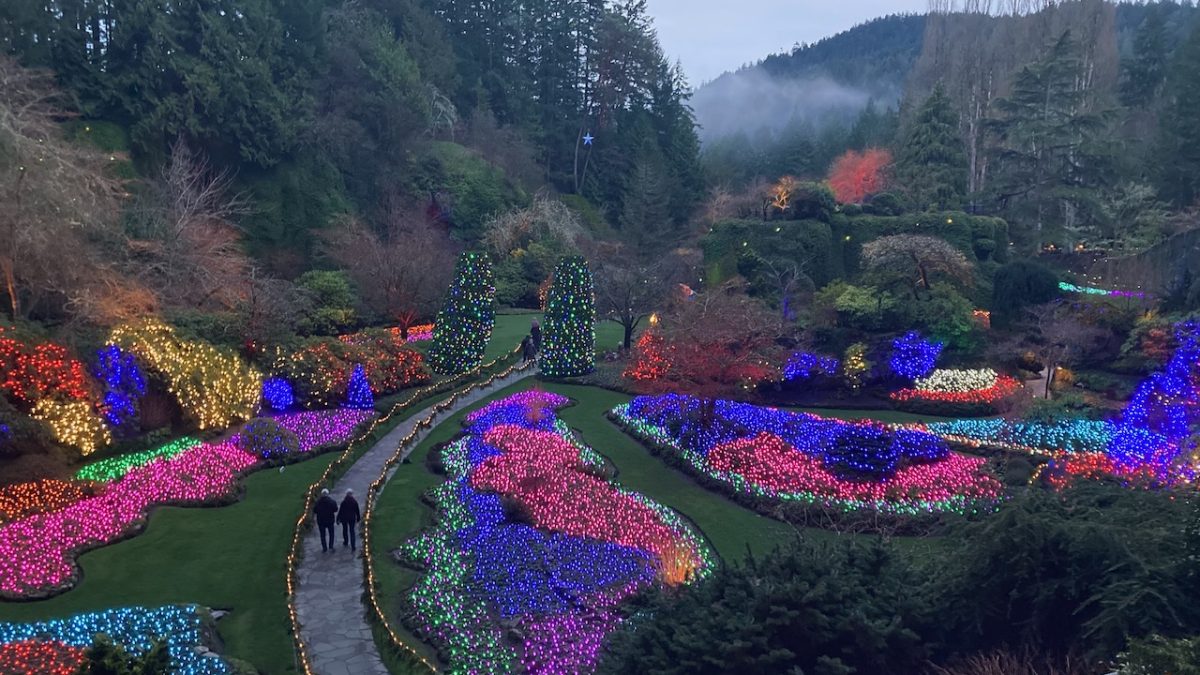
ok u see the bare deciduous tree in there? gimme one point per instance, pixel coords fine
(55, 196)
(1062, 337)
(402, 274)
(186, 243)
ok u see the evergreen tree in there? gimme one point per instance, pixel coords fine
(464, 325)
(932, 166)
(1145, 72)
(1178, 158)
(358, 392)
(569, 348)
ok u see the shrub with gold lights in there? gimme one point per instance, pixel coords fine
(214, 387)
(74, 423)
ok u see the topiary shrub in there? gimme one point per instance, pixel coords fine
(1020, 284)
(264, 438)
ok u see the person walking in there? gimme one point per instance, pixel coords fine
(348, 516)
(527, 349)
(535, 332)
(325, 508)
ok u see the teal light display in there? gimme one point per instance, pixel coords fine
(569, 347)
(464, 325)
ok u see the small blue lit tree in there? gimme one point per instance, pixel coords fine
(358, 393)
(913, 356)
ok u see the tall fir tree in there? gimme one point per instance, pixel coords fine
(1179, 146)
(464, 325)
(932, 162)
(569, 347)
(1145, 72)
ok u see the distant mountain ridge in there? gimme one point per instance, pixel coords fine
(827, 80)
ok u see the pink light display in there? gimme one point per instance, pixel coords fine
(542, 471)
(316, 428)
(37, 553)
(770, 463)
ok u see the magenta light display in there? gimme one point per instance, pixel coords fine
(37, 553)
(322, 428)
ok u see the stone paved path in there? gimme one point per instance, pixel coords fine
(329, 603)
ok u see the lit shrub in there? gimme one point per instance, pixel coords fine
(214, 387)
(74, 423)
(265, 438)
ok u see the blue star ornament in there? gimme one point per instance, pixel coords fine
(588, 138)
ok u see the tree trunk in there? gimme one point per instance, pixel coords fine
(628, 326)
(10, 285)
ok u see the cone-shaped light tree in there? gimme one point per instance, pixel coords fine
(569, 346)
(464, 325)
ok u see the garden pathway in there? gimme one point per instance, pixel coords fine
(329, 594)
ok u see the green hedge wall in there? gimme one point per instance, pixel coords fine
(832, 249)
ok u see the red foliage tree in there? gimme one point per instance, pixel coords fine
(855, 176)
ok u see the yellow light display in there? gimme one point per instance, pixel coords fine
(74, 423)
(214, 387)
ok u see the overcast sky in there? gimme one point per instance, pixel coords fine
(712, 36)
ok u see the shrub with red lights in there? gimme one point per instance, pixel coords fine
(45, 657)
(32, 372)
(320, 371)
(651, 358)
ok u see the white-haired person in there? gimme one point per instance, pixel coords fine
(325, 508)
(348, 516)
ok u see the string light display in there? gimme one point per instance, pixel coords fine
(848, 466)
(115, 468)
(124, 384)
(214, 387)
(29, 373)
(855, 366)
(583, 546)
(1091, 290)
(652, 358)
(358, 391)
(37, 552)
(914, 357)
(1070, 435)
(46, 657)
(464, 325)
(419, 333)
(135, 628)
(569, 348)
(304, 521)
(982, 387)
(277, 394)
(323, 428)
(74, 423)
(39, 496)
(806, 365)
(957, 380)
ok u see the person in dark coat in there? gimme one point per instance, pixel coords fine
(348, 516)
(325, 508)
(535, 332)
(527, 349)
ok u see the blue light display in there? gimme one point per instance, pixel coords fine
(124, 384)
(913, 356)
(852, 450)
(277, 394)
(134, 628)
(806, 365)
(358, 393)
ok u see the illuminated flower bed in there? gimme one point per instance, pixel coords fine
(1091, 290)
(976, 391)
(37, 552)
(323, 428)
(533, 536)
(772, 454)
(23, 499)
(108, 470)
(1035, 438)
(57, 646)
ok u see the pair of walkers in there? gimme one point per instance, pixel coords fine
(328, 512)
(532, 343)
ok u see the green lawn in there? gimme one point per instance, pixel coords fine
(228, 558)
(510, 329)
